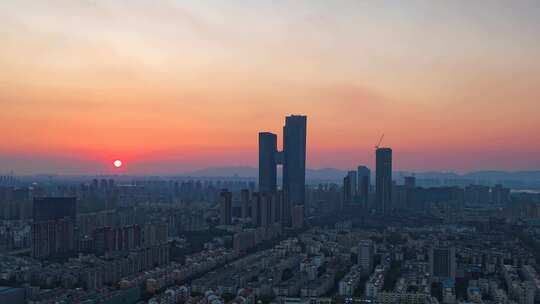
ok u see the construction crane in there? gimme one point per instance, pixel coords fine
(379, 143)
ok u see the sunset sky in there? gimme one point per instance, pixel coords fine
(173, 86)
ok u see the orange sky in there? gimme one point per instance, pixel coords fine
(174, 86)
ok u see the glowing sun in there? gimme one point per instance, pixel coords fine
(117, 163)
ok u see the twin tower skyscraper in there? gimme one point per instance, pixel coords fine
(292, 159)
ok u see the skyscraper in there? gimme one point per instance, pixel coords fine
(267, 161)
(383, 182)
(294, 158)
(349, 187)
(364, 183)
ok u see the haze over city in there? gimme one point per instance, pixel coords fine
(269, 152)
(173, 87)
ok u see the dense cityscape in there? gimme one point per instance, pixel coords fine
(369, 238)
(269, 152)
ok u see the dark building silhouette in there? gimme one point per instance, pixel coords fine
(298, 216)
(54, 226)
(442, 262)
(364, 184)
(268, 208)
(255, 208)
(53, 208)
(349, 188)
(244, 198)
(294, 158)
(225, 208)
(500, 194)
(266, 205)
(52, 238)
(477, 194)
(383, 181)
(267, 161)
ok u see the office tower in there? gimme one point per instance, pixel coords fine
(267, 161)
(364, 184)
(52, 208)
(294, 159)
(410, 182)
(383, 180)
(244, 200)
(442, 262)
(225, 208)
(366, 251)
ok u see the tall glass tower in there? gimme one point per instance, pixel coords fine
(383, 182)
(294, 159)
(267, 161)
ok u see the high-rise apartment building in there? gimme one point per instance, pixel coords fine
(53, 229)
(366, 251)
(53, 238)
(244, 200)
(225, 208)
(442, 262)
(53, 208)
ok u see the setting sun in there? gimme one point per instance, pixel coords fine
(117, 163)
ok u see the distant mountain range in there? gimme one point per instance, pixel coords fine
(244, 171)
(332, 174)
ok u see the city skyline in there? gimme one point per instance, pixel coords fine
(174, 87)
(270, 152)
